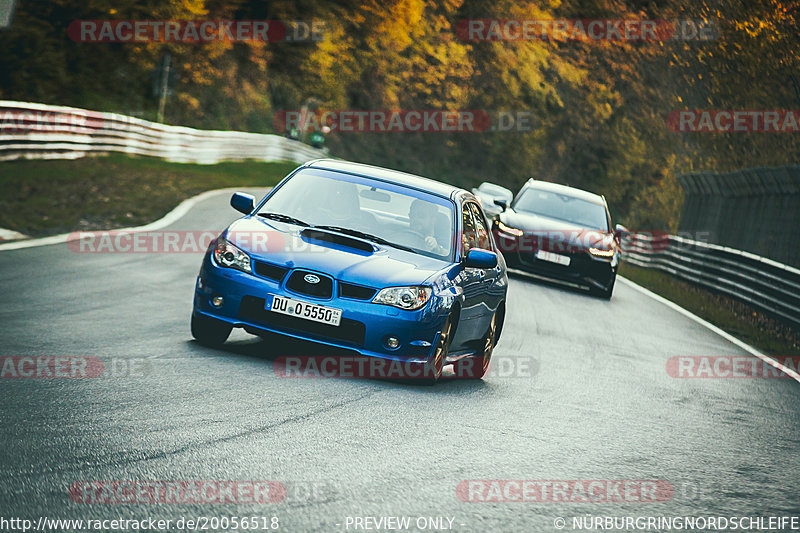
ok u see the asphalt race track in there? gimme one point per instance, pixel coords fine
(578, 391)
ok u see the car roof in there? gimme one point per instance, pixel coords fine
(565, 190)
(394, 176)
(493, 186)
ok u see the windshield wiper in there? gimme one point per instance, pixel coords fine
(367, 236)
(284, 218)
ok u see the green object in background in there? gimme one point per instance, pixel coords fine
(317, 140)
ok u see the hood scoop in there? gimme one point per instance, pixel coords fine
(335, 238)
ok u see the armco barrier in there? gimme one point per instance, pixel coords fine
(753, 209)
(39, 131)
(762, 283)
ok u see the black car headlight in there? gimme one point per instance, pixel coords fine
(228, 255)
(509, 230)
(408, 298)
(601, 252)
(604, 250)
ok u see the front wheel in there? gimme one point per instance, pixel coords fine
(210, 332)
(476, 367)
(432, 370)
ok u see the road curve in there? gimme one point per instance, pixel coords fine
(585, 395)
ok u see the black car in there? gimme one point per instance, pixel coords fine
(560, 232)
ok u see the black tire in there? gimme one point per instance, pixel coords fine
(210, 332)
(476, 367)
(432, 370)
(605, 294)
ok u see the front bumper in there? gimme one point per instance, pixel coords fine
(583, 269)
(364, 326)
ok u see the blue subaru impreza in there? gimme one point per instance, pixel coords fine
(385, 264)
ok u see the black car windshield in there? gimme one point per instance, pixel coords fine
(549, 204)
(368, 209)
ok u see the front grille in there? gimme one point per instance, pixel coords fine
(270, 271)
(348, 330)
(577, 261)
(580, 266)
(297, 283)
(356, 292)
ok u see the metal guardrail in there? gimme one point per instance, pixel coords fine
(753, 209)
(39, 131)
(764, 284)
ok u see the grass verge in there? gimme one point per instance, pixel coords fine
(740, 320)
(49, 197)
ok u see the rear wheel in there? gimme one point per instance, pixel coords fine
(209, 331)
(476, 367)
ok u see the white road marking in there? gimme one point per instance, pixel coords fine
(727, 336)
(162, 222)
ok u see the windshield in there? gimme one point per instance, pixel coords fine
(563, 207)
(384, 213)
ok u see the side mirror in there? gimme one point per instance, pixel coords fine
(502, 203)
(479, 258)
(243, 202)
(620, 231)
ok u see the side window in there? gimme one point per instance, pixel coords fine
(469, 235)
(484, 241)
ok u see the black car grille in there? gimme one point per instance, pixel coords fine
(322, 289)
(577, 261)
(356, 292)
(270, 271)
(298, 284)
(580, 266)
(348, 330)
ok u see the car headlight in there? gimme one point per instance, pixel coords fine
(508, 229)
(408, 298)
(228, 255)
(600, 252)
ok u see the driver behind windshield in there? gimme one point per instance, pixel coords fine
(422, 219)
(337, 204)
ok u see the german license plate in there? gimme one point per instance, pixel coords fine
(306, 310)
(553, 258)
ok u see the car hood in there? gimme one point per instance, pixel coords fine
(372, 265)
(553, 229)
